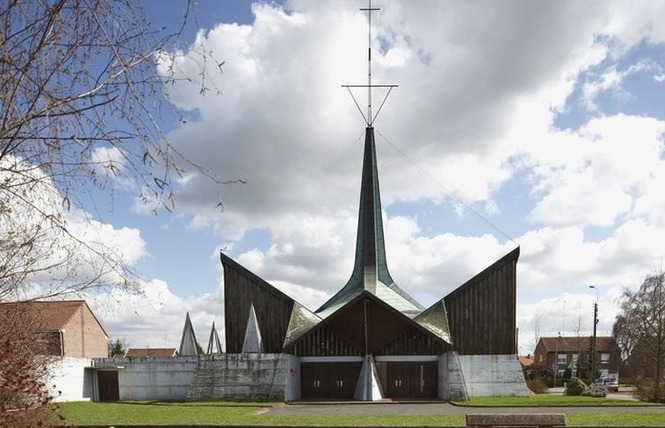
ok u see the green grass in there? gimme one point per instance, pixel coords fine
(228, 413)
(616, 419)
(549, 400)
(225, 413)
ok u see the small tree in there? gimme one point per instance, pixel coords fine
(117, 348)
(642, 317)
(25, 400)
(575, 387)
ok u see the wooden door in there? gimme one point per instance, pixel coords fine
(412, 380)
(329, 380)
(107, 380)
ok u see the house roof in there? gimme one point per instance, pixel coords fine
(576, 344)
(150, 352)
(49, 315)
(526, 360)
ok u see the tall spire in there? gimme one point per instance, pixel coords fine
(370, 270)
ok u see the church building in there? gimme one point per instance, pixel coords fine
(371, 340)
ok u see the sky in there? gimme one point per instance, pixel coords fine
(538, 124)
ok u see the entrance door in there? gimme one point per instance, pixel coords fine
(412, 379)
(329, 380)
(107, 380)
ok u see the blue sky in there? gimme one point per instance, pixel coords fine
(538, 124)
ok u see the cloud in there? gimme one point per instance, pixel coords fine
(155, 317)
(51, 248)
(615, 160)
(480, 88)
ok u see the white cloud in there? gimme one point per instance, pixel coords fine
(59, 248)
(154, 317)
(612, 161)
(481, 85)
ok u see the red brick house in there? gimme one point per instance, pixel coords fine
(69, 326)
(570, 352)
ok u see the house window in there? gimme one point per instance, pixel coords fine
(540, 358)
(604, 358)
(562, 359)
(575, 357)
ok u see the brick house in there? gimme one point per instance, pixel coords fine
(569, 352)
(70, 327)
(72, 334)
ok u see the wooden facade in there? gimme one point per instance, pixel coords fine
(368, 326)
(482, 313)
(242, 289)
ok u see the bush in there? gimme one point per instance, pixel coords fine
(645, 390)
(537, 385)
(597, 391)
(575, 387)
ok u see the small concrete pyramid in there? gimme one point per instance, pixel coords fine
(252, 343)
(188, 342)
(368, 387)
(214, 345)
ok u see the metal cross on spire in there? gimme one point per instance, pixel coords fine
(370, 118)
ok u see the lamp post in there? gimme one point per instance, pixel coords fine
(593, 345)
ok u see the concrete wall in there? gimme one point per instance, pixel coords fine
(493, 375)
(452, 386)
(245, 377)
(70, 379)
(152, 378)
(293, 391)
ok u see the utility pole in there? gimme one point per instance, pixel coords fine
(593, 344)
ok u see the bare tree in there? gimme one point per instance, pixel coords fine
(623, 331)
(81, 102)
(642, 318)
(81, 96)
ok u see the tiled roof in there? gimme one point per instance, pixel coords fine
(575, 344)
(150, 352)
(526, 360)
(49, 315)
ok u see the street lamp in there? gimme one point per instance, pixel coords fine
(593, 345)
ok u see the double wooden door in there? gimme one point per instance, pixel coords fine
(411, 380)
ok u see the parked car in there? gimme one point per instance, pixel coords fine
(609, 383)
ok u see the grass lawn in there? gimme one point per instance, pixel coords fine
(225, 413)
(549, 400)
(229, 413)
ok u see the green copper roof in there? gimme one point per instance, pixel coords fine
(370, 271)
(435, 319)
(301, 321)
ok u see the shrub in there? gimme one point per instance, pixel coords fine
(645, 390)
(537, 385)
(597, 391)
(575, 387)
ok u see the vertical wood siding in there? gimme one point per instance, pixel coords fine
(273, 308)
(482, 313)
